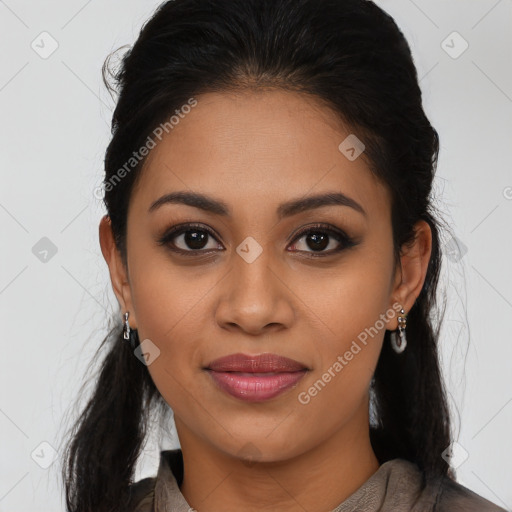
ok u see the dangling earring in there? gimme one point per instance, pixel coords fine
(130, 334)
(398, 340)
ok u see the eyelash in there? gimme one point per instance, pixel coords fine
(340, 236)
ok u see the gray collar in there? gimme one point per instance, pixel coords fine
(394, 487)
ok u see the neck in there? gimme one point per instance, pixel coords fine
(318, 479)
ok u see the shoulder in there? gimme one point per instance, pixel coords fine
(441, 494)
(141, 495)
(454, 497)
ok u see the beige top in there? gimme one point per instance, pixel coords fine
(394, 487)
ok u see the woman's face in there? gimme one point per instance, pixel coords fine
(256, 284)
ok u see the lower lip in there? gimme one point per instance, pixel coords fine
(256, 387)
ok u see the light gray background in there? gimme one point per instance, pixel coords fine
(55, 116)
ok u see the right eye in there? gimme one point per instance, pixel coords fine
(192, 237)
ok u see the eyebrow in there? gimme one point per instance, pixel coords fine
(287, 209)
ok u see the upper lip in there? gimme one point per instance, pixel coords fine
(261, 363)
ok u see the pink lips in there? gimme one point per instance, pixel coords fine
(255, 378)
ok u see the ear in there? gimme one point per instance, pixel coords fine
(411, 272)
(117, 269)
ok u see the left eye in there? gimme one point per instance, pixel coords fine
(319, 238)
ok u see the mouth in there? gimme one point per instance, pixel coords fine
(255, 378)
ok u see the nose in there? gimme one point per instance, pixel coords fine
(255, 298)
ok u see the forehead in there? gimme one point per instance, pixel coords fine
(257, 148)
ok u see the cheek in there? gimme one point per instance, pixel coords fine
(172, 312)
(166, 295)
(351, 303)
(349, 347)
(350, 299)
(173, 317)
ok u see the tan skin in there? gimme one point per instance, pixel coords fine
(254, 151)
